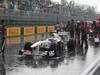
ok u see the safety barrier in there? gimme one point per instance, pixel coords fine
(50, 29)
(28, 30)
(13, 31)
(41, 29)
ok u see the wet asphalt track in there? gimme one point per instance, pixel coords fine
(13, 64)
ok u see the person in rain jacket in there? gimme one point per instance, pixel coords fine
(84, 39)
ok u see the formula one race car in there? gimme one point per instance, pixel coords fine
(51, 47)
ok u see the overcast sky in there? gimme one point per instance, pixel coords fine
(95, 3)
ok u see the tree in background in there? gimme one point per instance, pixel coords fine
(78, 12)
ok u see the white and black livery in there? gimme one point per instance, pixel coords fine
(51, 47)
